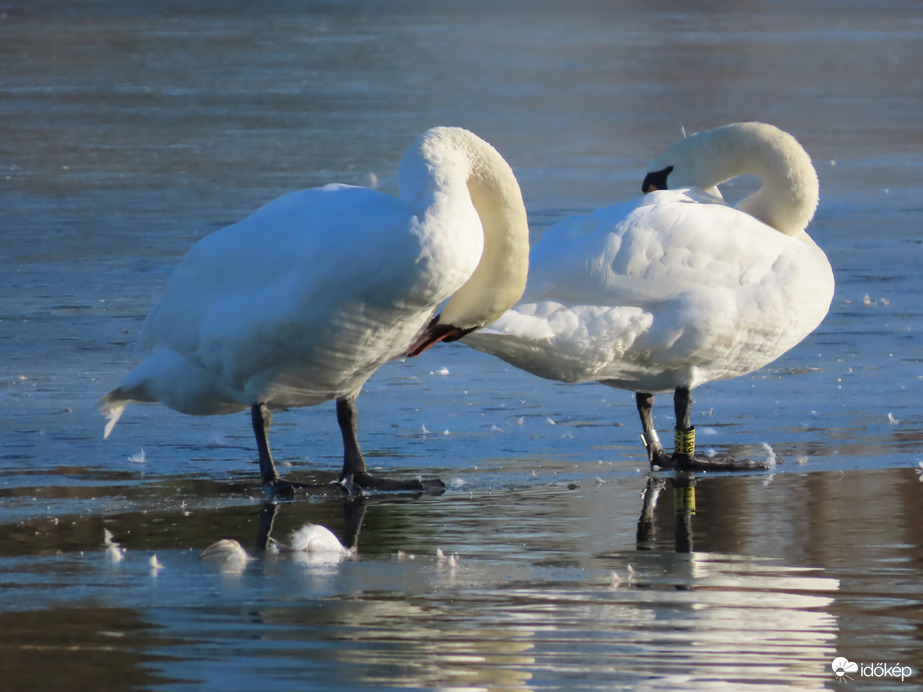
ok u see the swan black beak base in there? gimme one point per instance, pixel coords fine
(656, 180)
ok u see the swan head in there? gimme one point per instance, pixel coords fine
(499, 278)
(788, 197)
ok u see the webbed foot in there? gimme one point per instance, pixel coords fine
(684, 457)
(367, 481)
(719, 462)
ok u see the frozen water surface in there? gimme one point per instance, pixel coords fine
(131, 130)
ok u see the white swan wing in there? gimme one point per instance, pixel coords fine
(302, 300)
(648, 250)
(562, 341)
(666, 291)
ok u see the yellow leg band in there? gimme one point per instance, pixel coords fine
(684, 441)
(684, 500)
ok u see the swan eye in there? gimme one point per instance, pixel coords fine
(656, 180)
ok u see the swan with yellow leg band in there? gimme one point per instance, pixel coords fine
(677, 288)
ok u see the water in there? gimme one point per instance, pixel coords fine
(132, 130)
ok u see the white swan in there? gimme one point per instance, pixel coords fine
(676, 288)
(303, 300)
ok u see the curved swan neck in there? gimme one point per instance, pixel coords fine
(788, 196)
(449, 161)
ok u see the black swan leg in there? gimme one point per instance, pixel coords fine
(355, 475)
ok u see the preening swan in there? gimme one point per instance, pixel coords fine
(677, 288)
(302, 301)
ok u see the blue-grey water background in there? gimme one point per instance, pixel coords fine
(130, 130)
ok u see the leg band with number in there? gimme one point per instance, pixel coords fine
(684, 441)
